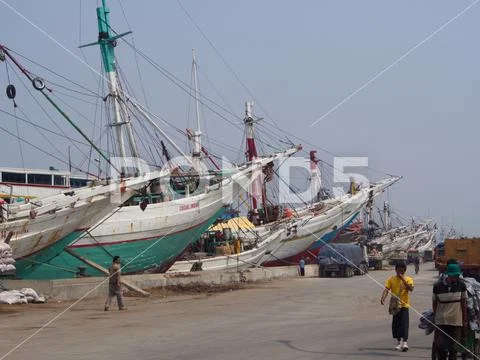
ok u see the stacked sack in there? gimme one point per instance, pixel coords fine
(7, 263)
(23, 296)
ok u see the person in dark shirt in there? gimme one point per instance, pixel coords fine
(450, 310)
(301, 265)
(416, 261)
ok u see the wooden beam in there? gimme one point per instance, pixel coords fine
(9, 237)
(106, 272)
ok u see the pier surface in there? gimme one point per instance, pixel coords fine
(293, 318)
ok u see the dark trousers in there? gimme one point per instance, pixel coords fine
(302, 271)
(447, 338)
(400, 323)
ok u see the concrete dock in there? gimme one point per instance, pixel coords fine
(89, 287)
(284, 318)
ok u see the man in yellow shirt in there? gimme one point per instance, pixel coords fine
(400, 286)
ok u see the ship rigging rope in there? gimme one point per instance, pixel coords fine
(64, 115)
(242, 154)
(40, 149)
(91, 69)
(221, 144)
(100, 83)
(153, 141)
(110, 136)
(58, 85)
(150, 140)
(169, 76)
(183, 85)
(281, 139)
(140, 140)
(77, 98)
(226, 104)
(329, 152)
(144, 136)
(126, 103)
(16, 121)
(136, 58)
(230, 68)
(86, 118)
(190, 97)
(146, 144)
(289, 186)
(93, 94)
(406, 217)
(17, 118)
(89, 158)
(231, 112)
(87, 90)
(46, 113)
(205, 122)
(20, 144)
(186, 88)
(180, 131)
(41, 127)
(96, 118)
(175, 80)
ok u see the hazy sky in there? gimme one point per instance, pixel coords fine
(298, 59)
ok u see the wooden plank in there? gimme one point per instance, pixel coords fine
(106, 272)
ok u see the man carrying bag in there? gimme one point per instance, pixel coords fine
(400, 286)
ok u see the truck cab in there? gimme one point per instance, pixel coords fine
(465, 250)
(345, 260)
(412, 255)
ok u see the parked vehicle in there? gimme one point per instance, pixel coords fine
(375, 256)
(412, 255)
(345, 260)
(428, 255)
(398, 256)
(465, 250)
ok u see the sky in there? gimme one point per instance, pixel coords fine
(396, 82)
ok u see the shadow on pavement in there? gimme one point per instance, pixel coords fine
(381, 352)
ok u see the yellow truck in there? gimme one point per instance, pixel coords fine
(465, 250)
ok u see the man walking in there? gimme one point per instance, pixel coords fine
(400, 286)
(301, 265)
(115, 285)
(450, 309)
(416, 261)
